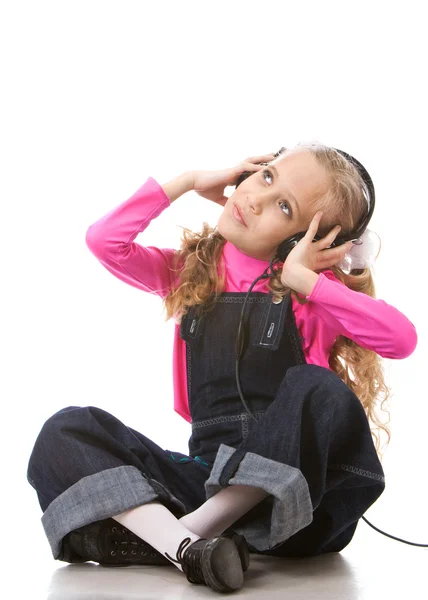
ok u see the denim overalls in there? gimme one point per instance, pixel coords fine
(309, 446)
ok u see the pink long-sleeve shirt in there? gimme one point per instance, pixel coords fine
(332, 308)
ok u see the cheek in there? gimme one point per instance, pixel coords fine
(227, 209)
(280, 231)
(224, 221)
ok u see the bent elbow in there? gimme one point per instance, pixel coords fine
(408, 344)
(95, 243)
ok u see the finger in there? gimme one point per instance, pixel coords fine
(253, 167)
(338, 250)
(333, 255)
(328, 239)
(313, 226)
(259, 159)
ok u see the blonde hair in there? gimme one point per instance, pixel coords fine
(199, 281)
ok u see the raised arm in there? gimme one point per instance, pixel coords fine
(111, 238)
(370, 322)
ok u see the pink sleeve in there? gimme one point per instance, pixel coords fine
(110, 239)
(371, 323)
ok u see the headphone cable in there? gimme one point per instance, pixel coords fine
(392, 536)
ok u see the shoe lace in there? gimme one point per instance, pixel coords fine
(190, 560)
(131, 543)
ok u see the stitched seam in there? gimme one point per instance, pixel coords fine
(227, 419)
(244, 428)
(235, 300)
(358, 471)
(264, 326)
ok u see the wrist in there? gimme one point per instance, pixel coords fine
(179, 185)
(300, 279)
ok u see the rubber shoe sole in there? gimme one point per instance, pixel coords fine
(221, 565)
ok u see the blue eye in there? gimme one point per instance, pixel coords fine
(269, 173)
(266, 171)
(288, 208)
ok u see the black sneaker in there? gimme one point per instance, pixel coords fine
(241, 544)
(214, 562)
(114, 545)
(111, 544)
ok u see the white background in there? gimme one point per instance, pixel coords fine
(98, 96)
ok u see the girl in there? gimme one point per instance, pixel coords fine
(295, 469)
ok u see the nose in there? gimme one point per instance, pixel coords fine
(254, 203)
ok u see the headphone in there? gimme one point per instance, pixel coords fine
(289, 243)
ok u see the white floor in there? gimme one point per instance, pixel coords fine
(372, 567)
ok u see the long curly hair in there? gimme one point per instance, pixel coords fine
(200, 279)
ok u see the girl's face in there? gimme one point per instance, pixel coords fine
(275, 203)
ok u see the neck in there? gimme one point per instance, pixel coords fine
(248, 267)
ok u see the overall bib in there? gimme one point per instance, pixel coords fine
(309, 446)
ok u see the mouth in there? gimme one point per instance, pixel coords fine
(238, 216)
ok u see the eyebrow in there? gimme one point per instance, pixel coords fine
(288, 193)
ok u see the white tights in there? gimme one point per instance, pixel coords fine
(157, 526)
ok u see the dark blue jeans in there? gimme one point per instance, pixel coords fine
(311, 451)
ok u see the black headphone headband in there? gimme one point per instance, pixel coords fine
(369, 194)
(368, 190)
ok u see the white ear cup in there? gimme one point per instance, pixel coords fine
(363, 253)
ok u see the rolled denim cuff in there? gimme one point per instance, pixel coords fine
(100, 496)
(288, 508)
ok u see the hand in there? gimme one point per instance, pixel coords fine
(312, 256)
(211, 184)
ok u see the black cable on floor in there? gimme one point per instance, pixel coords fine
(393, 537)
